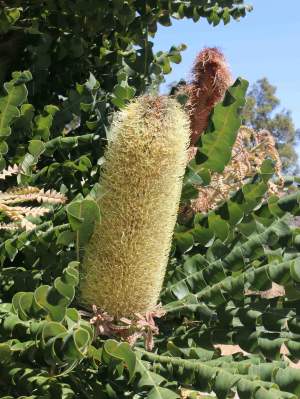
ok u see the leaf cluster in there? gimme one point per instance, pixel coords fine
(63, 41)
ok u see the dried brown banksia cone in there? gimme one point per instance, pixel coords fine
(249, 152)
(211, 79)
(126, 258)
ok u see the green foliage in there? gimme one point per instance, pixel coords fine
(214, 148)
(43, 327)
(63, 42)
(54, 120)
(259, 113)
(217, 143)
(220, 262)
(214, 151)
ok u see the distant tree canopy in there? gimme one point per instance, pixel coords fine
(260, 113)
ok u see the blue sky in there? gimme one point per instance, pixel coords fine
(264, 43)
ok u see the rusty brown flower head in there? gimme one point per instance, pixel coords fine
(211, 78)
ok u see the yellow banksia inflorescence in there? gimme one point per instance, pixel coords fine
(126, 258)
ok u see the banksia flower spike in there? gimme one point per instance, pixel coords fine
(211, 79)
(126, 258)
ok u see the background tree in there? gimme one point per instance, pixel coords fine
(260, 113)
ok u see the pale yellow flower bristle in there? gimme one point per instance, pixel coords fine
(126, 258)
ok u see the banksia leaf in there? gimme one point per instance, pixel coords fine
(9, 226)
(19, 195)
(126, 258)
(10, 171)
(24, 194)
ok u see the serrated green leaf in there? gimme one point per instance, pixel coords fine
(214, 153)
(36, 148)
(121, 352)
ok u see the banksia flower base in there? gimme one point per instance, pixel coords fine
(126, 258)
(129, 330)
